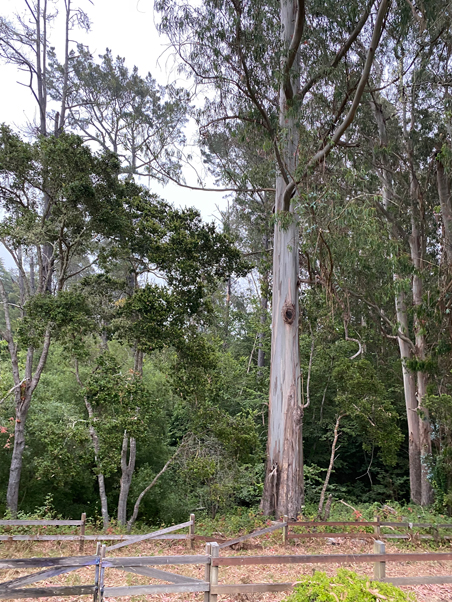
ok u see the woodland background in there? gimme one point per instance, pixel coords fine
(136, 337)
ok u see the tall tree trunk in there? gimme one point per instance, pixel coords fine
(409, 388)
(127, 468)
(32, 275)
(23, 392)
(227, 312)
(23, 395)
(22, 402)
(283, 489)
(405, 346)
(423, 416)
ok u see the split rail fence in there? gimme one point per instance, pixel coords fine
(315, 530)
(212, 561)
(311, 529)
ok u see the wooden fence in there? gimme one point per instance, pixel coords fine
(82, 537)
(412, 530)
(47, 523)
(175, 583)
(312, 529)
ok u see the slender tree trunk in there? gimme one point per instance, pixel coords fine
(330, 468)
(227, 313)
(409, 388)
(425, 441)
(22, 402)
(283, 488)
(136, 508)
(100, 475)
(23, 393)
(127, 468)
(406, 349)
(32, 275)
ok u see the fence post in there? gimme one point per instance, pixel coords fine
(191, 532)
(377, 528)
(207, 573)
(214, 553)
(285, 532)
(101, 572)
(96, 575)
(379, 567)
(82, 533)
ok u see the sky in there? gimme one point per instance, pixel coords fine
(128, 28)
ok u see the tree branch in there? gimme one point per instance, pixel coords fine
(293, 49)
(340, 54)
(325, 151)
(136, 508)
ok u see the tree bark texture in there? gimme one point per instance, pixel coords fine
(263, 314)
(283, 489)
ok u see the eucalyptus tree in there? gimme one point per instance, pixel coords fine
(401, 274)
(269, 63)
(410, 119)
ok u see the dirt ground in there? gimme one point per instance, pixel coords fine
(270, 545)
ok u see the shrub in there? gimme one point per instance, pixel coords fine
(346, 586)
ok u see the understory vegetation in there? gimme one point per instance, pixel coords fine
(347, 586)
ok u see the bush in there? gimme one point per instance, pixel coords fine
(346, 586)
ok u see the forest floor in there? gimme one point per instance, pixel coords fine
(270, 545)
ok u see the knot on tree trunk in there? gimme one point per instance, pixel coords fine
(288, 312)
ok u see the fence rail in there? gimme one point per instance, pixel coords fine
(149, 566)
(181, 584)
(142, 565)
(357, 529)
(376, 525)
(46, 523)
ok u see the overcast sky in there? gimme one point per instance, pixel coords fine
(127, 27)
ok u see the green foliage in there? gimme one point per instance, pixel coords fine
(362, 396)
(440, 464)
(68, 314)
(121, 401)
(347, 586)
